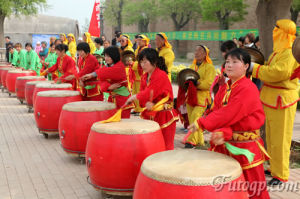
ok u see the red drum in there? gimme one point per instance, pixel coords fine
(115, 152)
(76, 120)
(12, 77)
(48, 107)
(29, 88)
(4, 74)
(47, 86)
(21, 83)
(1, 70)
(191, 173)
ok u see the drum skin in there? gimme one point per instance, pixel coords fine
(1, 70)
(12, 77)
(21, 83)
(29, 88)
(47, 111)
(114, 160)
(74, 128)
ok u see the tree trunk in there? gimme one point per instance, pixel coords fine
(294, 15)
(268, 12)
(143, 26)
(2, 43)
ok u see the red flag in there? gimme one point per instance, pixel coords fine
(94, 29)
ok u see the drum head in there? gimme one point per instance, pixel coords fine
(256, 55)
(30, 77)
(37, 82)
(127, 127)
(52, 85)
(89, 106)
(187, 75)
(296, 49)
(20, 71)
(58, 93)
(191, 167)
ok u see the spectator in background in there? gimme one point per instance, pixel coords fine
(63, 38)
(7, 45)
(106, 44)
(257, 43)
(44, 52)
(235, 41)
(249, 40)
(80, 40)
(99, 46)
(52, 40)
(116, 40)
(241, 42)
(135, 45)
(103, 38)
(38, 47)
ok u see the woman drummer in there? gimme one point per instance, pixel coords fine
(236, 118)
(156, 94)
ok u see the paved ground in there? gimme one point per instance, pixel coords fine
(33, 167)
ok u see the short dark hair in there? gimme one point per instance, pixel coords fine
(44, 42)
(84, 47)
(152, 56)
(228, 46)
(241, 55)
(18, 45)
(28, 44)
(113, 52)
(256, 39)
(242, 39)
(53, 44)
(251, 37)
(7, 37)
(137, 36)
(62, 47)
(99, 41)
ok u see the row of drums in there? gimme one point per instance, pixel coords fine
(122, 158)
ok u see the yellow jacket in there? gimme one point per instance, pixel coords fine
(278, 90)
(207, 74)
(135, 65)
(72, 49)
(169, 56)
(128, 48)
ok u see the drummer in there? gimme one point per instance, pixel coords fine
(156, 95)
(32, 59)
(113, 79)
(236, 118)
(198, 96)
(21, 56)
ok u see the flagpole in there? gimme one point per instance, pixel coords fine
(102, 7)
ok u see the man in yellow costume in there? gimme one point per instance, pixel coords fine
(279, 97)
(72, 45)
(126, 43)
(164, 49)
(198, 97)
(87, 38)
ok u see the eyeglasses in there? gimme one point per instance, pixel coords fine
(122, 41)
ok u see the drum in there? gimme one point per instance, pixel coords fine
(12, 77)
(29, 88)
(1, 70)
(47, 86)
(21, 83)
(76, 120)
(190, 173)
(48, 107)
(115, 152)
(4, 74)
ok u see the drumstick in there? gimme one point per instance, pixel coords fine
(151, 96)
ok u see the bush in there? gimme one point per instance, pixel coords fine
(175, 70)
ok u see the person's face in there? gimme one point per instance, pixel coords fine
(82, 53)
(159, 42)
(247, 40)
(57, 42)
(124, 41)
(141, 42)
(84, 38)
(28, 48)
(108, 59)
(106, 44)
(18, 48)
(70, 39)
(200, 54)
(103, 38)
(235, 68)
(241, 44)
(53, 48)
(11, 51)
(52, 40)
(97, 45)
(7, 40)
(44, 45)
(147, 66)
(60, 53)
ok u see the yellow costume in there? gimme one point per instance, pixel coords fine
(129, 44)
(72, 46)
(279, 97)
(65, 41)
(207, 75)
(167, 53)
(90, 42)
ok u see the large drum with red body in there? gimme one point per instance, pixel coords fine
(4, 72)
(76, 120)
(29, 88)
(1, 69)
(48, 107)
(11, 78)
(115, 152)
(21, 83)
(48, 86)
(190, 173)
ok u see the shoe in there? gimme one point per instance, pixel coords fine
(274, 182)
(188, 146)
(267, 172)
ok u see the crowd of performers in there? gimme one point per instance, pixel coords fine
(229, 105)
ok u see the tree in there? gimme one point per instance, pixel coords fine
(113, 12)
(224, 12)
(17, 7)
(268, 12)
(295, 8)
(140, 12)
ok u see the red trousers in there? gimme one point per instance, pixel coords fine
(169, 134)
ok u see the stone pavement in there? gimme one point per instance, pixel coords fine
(32, 167)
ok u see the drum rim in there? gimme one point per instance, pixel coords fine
(51, 85)
(67, 93)
(36, 82)
(20, 71)
(188, 181)
(97, 104)
(113, 129)
(28, 77)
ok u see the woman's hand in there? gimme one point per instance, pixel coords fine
(70, 77)
(114, 86)
(130, 99)
(192, 128)
(149, 105)
(217, 138)
(81, 84)
(86, 77)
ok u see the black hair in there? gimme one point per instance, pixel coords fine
(242, 39)
(53, 44)
(113, 52)
(44, 42)
(202, 47)
(99, 41)
(256, 39)
(62, 47)
(137, 36)
(8, 37)
(84, 46)
(251, 37)
(28, 44)
(9, 48)
(241, 55)
(228, 46)
(152, 56)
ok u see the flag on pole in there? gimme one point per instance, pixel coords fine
(94, 28)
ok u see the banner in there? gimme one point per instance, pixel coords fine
(40, 38)
(94, 28)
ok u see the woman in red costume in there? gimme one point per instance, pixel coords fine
(156, 94)
(236, 118)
